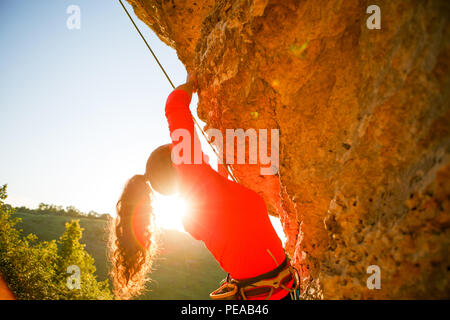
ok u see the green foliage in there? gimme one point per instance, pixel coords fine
(38, 269)
(183, 269)
(69, 211)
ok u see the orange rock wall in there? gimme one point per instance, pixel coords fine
(5, 293)
(364, 128)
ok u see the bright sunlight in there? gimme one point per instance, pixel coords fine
(169, 211)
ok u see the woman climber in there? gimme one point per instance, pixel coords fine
(230, 219)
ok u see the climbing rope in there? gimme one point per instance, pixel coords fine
(167, 76)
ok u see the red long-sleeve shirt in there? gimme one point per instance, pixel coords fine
(230, 219)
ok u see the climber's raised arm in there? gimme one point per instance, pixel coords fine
(179, 117)
(191, 84)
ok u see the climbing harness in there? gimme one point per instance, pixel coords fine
(266, 285)
(167, 76)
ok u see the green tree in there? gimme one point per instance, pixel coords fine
(38, 269)
(72, 253)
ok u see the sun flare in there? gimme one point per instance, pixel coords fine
(169, 211)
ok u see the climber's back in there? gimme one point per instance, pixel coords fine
(232, 220)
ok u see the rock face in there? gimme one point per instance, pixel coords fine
(364, 118)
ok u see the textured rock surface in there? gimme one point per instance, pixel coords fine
(364, 128)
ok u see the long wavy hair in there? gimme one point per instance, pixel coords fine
(132, 243)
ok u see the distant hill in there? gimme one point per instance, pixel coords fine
(184, 269)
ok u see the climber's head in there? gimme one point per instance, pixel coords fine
(160, 172)
(132, 242)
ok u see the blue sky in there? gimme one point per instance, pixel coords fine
(80, 110)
